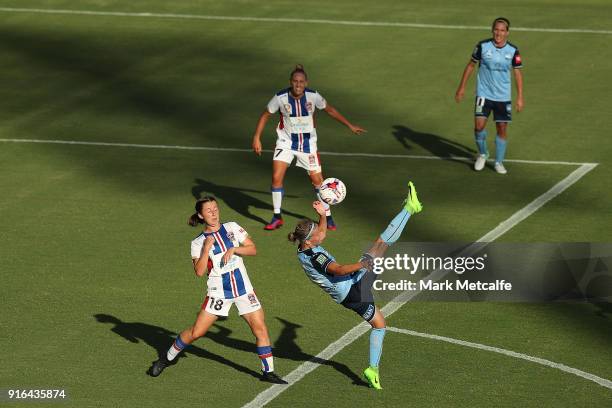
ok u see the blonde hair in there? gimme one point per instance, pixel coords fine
(301, 232)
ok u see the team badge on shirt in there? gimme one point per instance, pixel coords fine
(309, 107)
(252, 298)
(288, 108)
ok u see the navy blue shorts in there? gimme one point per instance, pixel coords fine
(360, 299)
(502, 111)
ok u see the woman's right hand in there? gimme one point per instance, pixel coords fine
(319, 208)
(208, 243)
(257, 146)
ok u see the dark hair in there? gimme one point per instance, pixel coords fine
(299, 69)
(301, 231)
(501, 20)
(194, 220)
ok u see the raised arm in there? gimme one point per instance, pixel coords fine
(200, 264)
(322, 226)
(331, 111)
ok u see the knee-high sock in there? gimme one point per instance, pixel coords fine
(277, 199)
(395, 227)
(376, 345)
(176, 348)
(325, 205)
(481, 141)
(500, 149)
(267, 361)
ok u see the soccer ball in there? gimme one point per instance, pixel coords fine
(332, 191)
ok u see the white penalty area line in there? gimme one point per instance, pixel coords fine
(571, 370)
(291, 20)
(394, 305)
(232, 149)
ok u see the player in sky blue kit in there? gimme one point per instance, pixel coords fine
(349, 284)
(296, 137)
(496, 57)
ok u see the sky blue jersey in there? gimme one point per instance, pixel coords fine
(493, 80)
(315, 262)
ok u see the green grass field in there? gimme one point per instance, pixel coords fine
(94, 246)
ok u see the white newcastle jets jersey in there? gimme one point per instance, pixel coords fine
(296, 129)
(224, 280)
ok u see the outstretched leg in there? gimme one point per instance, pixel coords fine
(377, 336)
(185, 338)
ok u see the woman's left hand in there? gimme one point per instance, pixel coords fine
(357, 130)
(228, 255)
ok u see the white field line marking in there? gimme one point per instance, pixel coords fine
(394, 305)
(232, 149)
(588, 376)
(293, 20)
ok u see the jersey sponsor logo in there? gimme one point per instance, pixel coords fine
(508, 56)
(321, 259)
(369, 313)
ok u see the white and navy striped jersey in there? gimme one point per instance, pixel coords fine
(230, 280)
(296, 128)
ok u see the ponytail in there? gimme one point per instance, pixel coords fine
(195, 218)
(299, 69)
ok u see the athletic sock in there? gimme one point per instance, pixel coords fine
(277, 199)
(481, 141)
(500, 149)
(395, 227)
(176, 348)
(376, 345)
(325, 205)
(267, 361)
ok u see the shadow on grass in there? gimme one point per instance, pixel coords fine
(161, 339)
(236, 199)
(437, 145)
